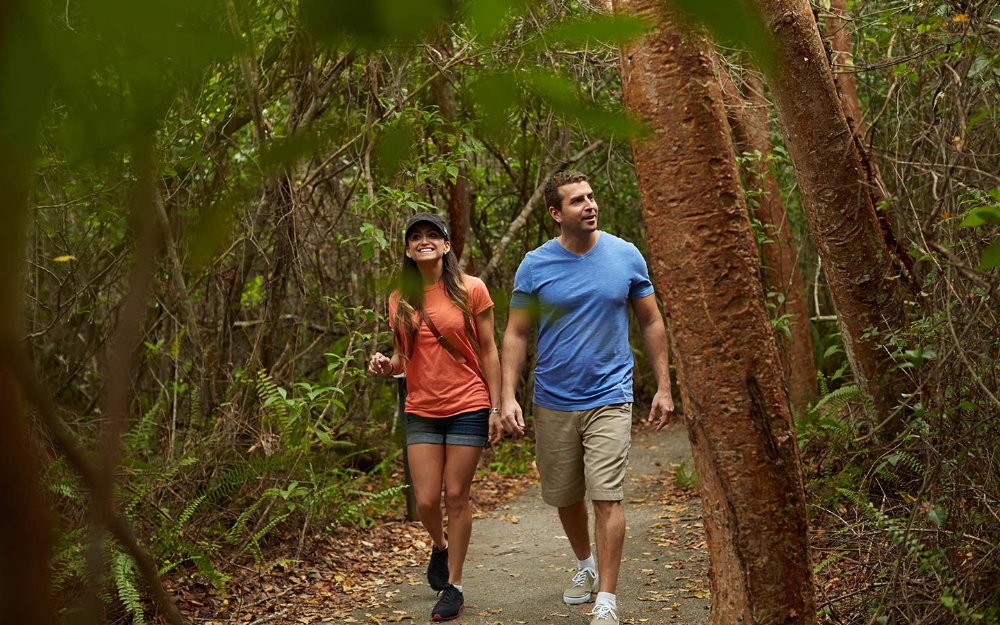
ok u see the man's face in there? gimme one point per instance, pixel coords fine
(578, 212)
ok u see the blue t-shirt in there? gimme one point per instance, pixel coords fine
(584, 358)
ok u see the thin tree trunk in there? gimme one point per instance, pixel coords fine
(704, 260)
(861, 273)
(782, 274)
(459, 191)
(842, 60)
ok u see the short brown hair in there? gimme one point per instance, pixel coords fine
(558, 179)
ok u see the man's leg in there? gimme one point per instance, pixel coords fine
(575, 524)
(609, 521)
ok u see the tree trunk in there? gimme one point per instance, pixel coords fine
(705, 262)
(842, 60)
(25, 523)
(861, 274)
(25, 529)
(459, 191)
(782, 274)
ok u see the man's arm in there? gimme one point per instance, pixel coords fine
(515, 353)
(654, 338)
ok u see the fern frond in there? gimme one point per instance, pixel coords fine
(123, 575)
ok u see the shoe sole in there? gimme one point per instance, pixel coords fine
(437, 618)
(577, 600)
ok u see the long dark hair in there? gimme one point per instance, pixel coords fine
(411, 299)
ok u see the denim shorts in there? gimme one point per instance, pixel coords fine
(467, 428)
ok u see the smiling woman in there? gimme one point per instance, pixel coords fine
(442, 322)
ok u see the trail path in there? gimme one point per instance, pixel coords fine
(520, 560)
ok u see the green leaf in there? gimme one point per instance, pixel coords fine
(494, 95)
(981, 215)
(284, 151)
(594, 28)
(373, 23)
(563, 96)
(487, 17)
(937, 516)
(393, 146)
(991, 256)
(732, 22)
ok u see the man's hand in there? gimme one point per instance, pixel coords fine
(511, 419)
(662, 409)
(379, 364)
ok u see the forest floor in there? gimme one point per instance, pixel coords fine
(518, 562)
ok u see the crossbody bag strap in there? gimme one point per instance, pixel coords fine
(445, 343)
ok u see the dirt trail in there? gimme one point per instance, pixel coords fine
(519, 560)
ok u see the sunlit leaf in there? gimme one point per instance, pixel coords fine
(64, 259)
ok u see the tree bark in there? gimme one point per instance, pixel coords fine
(782, 274)
(842, 61)
(861, 273)
(705, 261)
(25, 529)
(25, 524)
(459, 191)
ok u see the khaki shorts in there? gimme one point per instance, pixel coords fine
(582, 452)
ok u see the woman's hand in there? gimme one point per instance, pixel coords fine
(496, 431)
(379, 364)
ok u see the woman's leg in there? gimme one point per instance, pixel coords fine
(427, 462)
(459, 469)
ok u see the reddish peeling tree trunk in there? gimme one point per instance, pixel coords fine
(782, 274)
(705, 261)
(862, 272)
(842, 59)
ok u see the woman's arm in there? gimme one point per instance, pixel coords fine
(380, 364)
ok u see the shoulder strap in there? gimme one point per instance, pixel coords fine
(445, 343)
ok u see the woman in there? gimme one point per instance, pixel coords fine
(442, 321)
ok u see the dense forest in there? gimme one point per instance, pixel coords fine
(204, 210)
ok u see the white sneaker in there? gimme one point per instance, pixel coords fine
(604, 615)
(582, 587)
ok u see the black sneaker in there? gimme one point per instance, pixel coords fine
(449, 606)
(437, 569)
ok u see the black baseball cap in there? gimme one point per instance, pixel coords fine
(426, 218)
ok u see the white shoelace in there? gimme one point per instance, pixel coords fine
(581, 577)
(603, 612)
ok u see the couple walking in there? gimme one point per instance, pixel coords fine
(575, 290)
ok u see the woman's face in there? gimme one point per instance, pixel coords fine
(426, 244)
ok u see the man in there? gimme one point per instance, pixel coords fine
(577, 289)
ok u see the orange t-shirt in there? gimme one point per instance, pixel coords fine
(437, 385)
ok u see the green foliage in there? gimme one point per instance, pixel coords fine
(987, 213)
(685, 477)
(511, 458)
(124, 576)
